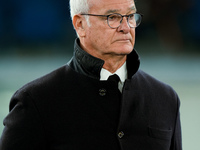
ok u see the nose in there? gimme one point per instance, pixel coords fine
(124, 26)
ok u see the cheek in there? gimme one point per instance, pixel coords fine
(102, 38)
(93, 36)
(133, 36)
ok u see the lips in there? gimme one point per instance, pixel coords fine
(123, 40)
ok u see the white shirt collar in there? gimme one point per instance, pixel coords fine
(121, 72)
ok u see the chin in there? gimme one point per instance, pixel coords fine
(125, 50)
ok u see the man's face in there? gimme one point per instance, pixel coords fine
(101, 40)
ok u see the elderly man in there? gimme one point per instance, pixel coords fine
(100, 100)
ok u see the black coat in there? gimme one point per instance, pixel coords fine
(70, 109)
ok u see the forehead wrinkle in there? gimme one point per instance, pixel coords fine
(117, 10)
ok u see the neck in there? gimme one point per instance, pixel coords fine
(112, 64)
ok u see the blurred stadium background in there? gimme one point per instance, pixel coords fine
(36, 37)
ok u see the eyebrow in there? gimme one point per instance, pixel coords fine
(112, 11)
(117, 10)
(133, 9)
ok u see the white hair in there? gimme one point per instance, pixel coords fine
(79, 7)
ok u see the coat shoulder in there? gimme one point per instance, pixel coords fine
(148, 82)
(47, 82)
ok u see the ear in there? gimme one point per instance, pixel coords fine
(78, 23)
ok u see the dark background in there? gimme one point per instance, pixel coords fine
(32, 25)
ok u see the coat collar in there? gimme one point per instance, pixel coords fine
(91, 66)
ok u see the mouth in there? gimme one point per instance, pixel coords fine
(123, 40)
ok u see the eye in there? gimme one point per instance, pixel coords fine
(114, 17)
(131, 16)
